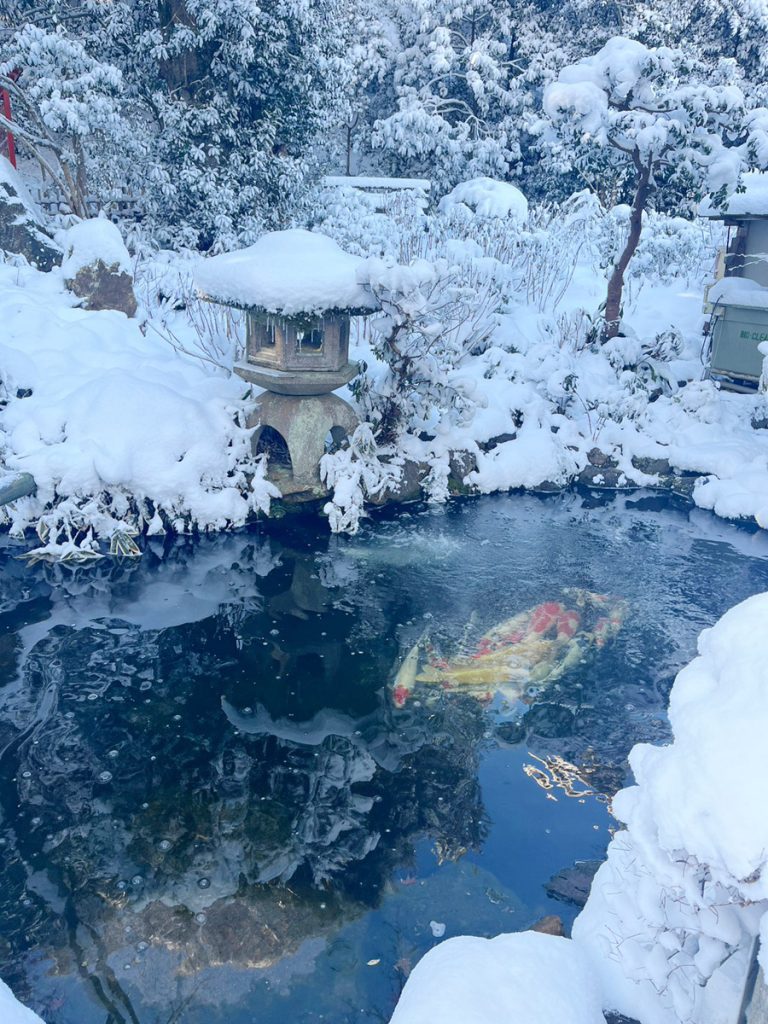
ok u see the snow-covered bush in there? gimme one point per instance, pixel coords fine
(672, 914)
(120, 433)
(354, 473)
(435, 316)
(390, 224)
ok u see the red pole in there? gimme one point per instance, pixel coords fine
(10, 142)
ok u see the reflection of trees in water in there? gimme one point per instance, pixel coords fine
(223, 792)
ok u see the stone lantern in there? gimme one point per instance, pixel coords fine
(299, 291)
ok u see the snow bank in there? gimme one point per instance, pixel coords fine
(108, 419)
(287, 272)
(11, 1010)
(92, 240)
(672, 912)
(488, 198)
(526, 978)
(738, 291)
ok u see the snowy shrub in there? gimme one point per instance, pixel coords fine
(390, 224)
(550, 248)
(355, 473)
(673, 912)
(435, 316)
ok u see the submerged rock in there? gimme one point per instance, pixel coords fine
(573, 884)
(549, 925)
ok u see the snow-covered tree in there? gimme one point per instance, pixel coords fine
(241, 92)
(666, 123)
(66, 106)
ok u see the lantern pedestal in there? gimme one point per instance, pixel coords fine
(295, 431)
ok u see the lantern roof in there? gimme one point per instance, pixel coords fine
(288, 273)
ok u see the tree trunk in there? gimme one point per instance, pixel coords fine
(616, 282)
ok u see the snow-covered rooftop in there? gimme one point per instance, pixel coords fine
(288, 272)
(738, 291)
(752, 202)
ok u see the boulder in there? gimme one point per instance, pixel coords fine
(408, 488)
(607, 478)
(97, 266)
(20, 228)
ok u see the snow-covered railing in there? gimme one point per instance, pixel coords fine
(122, 206)
(373, 184)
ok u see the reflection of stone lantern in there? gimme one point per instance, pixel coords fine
(299, 291)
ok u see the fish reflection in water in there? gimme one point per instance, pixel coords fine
(538, 646)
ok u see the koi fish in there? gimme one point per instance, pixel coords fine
(537, 646)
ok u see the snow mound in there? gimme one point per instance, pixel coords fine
(753, 200)
(738, 291)
(110, 419)
(287, 272)
(11, 1010)
(526, 978)
(488, 198)
(92, 240)
(672, 913)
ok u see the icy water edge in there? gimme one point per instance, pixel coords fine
(210, 808)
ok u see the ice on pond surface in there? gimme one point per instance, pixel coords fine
(247, 836)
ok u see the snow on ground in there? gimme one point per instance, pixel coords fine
(672, 912)
(666, 933)
(526, 978)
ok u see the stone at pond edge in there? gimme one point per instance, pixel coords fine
(572, 884)
(20, 233)
(595, 457)
(460, 465)
(408, 488)
(606, 477)
(653, 467)
(104, 287)
(549, 925)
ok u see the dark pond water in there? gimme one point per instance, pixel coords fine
(210, 808)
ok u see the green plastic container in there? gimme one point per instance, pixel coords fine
(736, 332)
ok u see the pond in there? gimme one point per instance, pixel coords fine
(213, 809)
